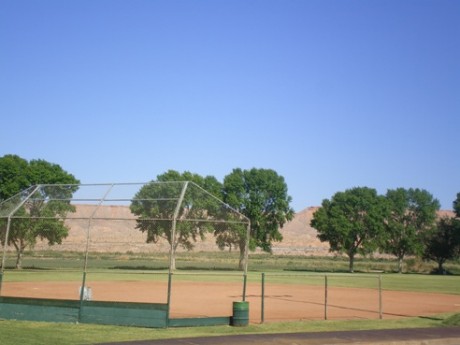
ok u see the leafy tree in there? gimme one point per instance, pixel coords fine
(411, 213)
(262, 196)
(42, 216)
(457, 206)
(352, 222)
(443, 242)
(155, 204)
(13, 176)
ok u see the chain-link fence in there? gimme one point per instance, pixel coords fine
(112, 233)
(286, 297)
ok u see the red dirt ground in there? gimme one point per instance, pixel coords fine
(282, 302)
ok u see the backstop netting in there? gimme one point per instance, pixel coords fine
(118, 242)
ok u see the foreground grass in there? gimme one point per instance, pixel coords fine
(38, 333)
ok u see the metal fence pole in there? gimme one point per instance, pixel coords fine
(168, 302)
(380, 298)
(172, 250)
(325, 297)
(245, 279)
(262, 307)
(2, 268)
(82, 294)
(246, 247)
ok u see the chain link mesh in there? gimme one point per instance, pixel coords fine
(120, 218)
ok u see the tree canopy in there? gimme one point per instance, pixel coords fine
(443, 242)
(411, 214)
(262, 196)
(351, 222)
(41, 217)
(457, 205)
(161, 210)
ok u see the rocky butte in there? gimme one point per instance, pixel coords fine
(119, 234)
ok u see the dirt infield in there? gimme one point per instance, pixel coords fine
(283, 302)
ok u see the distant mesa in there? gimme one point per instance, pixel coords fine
(121, 235)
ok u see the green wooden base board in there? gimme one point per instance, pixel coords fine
(112, 313)
(202, 321)
(153, 315)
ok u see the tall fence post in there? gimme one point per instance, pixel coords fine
(380, 298)
(325, 297)
(262, 307)
(82, 295)
(172, 249)
(245, 280)
(168, 301)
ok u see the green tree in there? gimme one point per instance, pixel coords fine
(443, 242)
(457, 206)
(42, 217)
(411, 213)
(13, 176)
(352, 222)
(155, 205)
(262, 196)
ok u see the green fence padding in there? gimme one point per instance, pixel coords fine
(38, 310)
(129, 314)
(154, 315)
(194, 322)
(111, 313)
(127, 305)
(40, 301)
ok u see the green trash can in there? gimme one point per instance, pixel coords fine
(240, 314)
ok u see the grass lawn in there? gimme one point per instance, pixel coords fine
(220, 260)
(390, 281)
(38, 333)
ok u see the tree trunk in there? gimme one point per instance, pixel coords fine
(242, 246)
(351, 256)
(440, 268)
(19, 259)
(19, 253)
(400, 264)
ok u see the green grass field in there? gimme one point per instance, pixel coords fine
(223, 261)
(41, 333)
(390, 281)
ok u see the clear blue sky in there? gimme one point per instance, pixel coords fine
(331, 94)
